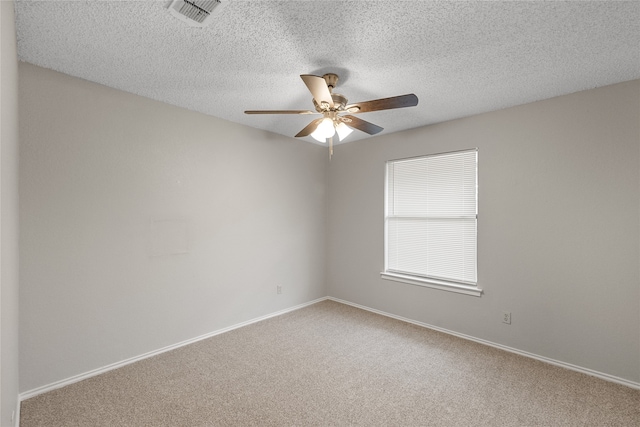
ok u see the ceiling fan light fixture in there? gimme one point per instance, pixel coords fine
(343, 131)
(324, 130)
(319, 138)
(332, 105)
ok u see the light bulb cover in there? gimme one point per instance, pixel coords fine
(324, 130)
(319, 138)
(343, 131)
(326, 127)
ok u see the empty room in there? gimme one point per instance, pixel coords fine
(323, 213)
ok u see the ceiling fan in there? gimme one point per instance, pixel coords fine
(336, 113)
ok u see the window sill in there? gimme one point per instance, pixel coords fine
(433, 283)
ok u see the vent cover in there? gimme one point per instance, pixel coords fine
(197, 13)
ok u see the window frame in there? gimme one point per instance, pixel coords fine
(462, 287)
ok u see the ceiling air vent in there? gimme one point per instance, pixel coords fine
(197, 13)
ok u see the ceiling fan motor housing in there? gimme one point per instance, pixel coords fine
(339, 101)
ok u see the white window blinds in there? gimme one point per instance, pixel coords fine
(431, 216)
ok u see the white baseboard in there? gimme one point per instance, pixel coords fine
(58, 384)
(16, 421)
(576, 368)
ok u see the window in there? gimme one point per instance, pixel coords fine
(431, 221)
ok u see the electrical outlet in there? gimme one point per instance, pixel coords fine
(506, 317)
(279, 289)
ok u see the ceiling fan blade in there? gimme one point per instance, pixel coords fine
(362, 125)
(409, 100)
(280, 112)
(308, 130)
(318, 88)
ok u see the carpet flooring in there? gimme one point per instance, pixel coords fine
(331, 364)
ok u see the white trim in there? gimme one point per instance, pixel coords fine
(16, 422)
(591, 372)
(58, 384)
(432, 283)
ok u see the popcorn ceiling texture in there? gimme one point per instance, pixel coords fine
(459, 58)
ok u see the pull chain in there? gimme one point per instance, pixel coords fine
(330, 147)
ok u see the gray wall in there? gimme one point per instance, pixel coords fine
(8, 215)
(558, 228)
(144, 225)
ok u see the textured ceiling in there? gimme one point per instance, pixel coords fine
(460, 58)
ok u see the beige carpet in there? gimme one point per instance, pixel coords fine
(331, 364)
